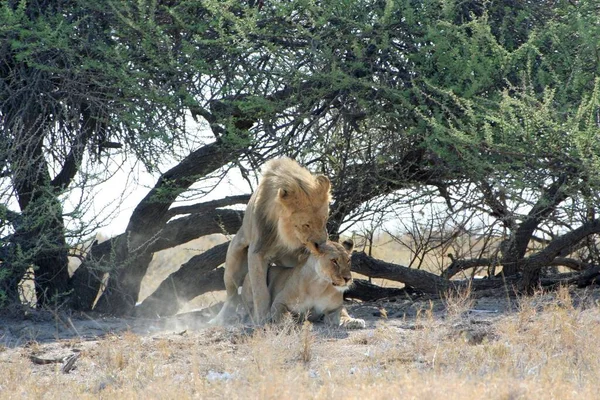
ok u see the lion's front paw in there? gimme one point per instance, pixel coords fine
(354, 323)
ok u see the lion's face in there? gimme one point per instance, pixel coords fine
(334, 264)
(303, 220)
(310, 228)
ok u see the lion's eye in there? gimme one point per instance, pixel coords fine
(307, 226)
(334, 262)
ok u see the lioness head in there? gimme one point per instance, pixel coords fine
(334, 264)
(306, 209)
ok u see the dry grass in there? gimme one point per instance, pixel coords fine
(545, 347)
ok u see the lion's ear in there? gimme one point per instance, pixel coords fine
(348, 245)
(284, 194)
(324, 183)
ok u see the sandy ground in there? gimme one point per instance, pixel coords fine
(45, 328)
(97, 355)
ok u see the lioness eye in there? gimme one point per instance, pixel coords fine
(307, 226)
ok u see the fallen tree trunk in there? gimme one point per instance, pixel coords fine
(429, 283)
(365, 291)
(421, 280)
(200, 275)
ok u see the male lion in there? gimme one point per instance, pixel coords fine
(285, 217)
(312, 290)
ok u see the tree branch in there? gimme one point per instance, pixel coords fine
(209, 205)
(182, 230)
(152, 212)
(73, 160)
(461, 265)
(533, 264)
(546, 204)
(418, 279)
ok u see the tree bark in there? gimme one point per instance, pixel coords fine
(517, 246)
(365, 291)
(420, 280)
(41, 233)
(87, 279)
(417, 279)
(461, 265)
(533, 264)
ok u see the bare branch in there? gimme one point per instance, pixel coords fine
(209, 205)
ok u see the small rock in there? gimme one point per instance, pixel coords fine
(218, 376)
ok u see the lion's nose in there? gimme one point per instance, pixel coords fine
(347, 279)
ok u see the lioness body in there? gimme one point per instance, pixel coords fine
(311, 290)
(284, 220)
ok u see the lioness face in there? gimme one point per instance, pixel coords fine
(334, 264)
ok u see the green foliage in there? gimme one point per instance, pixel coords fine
(413, 93)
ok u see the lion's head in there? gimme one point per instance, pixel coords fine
(298, 215)
(304, 219)
(334, 264)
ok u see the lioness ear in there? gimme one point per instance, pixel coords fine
(348, 245)
(323, 181)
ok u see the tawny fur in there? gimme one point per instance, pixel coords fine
(285, 219)
(312, 290)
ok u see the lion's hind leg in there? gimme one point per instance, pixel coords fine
(236, 268)
(257, 272)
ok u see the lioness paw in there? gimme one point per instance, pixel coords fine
(354, 323)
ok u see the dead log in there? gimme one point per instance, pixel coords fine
(365, 291)
(589, 276)
(421, 280)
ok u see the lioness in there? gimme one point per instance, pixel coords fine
(312, 290)
(284, 220)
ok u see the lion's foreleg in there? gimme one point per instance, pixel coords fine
(257, 272)
(340, 317)
(333, 318)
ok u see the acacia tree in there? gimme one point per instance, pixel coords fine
(479, 102)
(466, 100)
